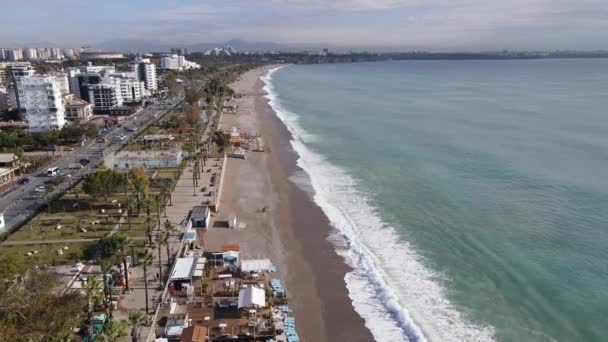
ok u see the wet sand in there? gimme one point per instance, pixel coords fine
(292, 232)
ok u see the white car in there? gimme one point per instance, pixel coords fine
(41, 188)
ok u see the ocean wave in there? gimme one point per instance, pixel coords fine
(387, 275)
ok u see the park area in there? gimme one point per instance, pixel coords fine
(67, 231)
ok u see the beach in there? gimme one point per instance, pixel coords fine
(282, 223)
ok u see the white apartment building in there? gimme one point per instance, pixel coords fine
(30, 53)
(105, 88)
(43, 53)
(56, 53)
(18, 71)
(69, 53)
(40, 99)
(14, 54)
(2, 55)
(131, 88)
(146, 72)
(175, 62)
(106, 95)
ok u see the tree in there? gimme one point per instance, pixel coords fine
(36, 311)
(191, 96)
(171, 186)
(141, 183)
(92, 287)
(136, 319)
(130, 206)
(122, 243)
(64, 338)
(171, 81)
(103, 183)
(145, 258)
(161, 239)
(106, 268)
(192, 115)
(220, 139)
(113, 331)
(169, 227)
(149, 221)
(51, 137)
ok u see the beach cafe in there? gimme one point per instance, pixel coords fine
(256, 266)
(181, 276)
(200, 216)
(252, 297)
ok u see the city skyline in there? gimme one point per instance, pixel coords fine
(397, 24)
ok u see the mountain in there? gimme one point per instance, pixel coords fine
(146, 45)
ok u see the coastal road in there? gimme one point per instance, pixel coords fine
(23, 200)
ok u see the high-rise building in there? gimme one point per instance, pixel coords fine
(56, 53)
(14, 54)
(18, 71)
(2, 54)
(29, 53)
(179, 51)
(104, 88)
(69, 53)
(41, 104)
(43, 53)
(146, 72)
(175, 62)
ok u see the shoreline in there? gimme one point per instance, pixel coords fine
(294, 232)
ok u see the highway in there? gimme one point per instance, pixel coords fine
(23, 200)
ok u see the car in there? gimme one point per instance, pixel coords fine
(84, 161)
(68, 149)
(23, 180)
(40, 189)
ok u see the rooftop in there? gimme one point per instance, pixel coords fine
(184, 269)
(200, 211)
(8, 157)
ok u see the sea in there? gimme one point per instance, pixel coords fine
(469, 197)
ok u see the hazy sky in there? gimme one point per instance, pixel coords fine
(424, 24)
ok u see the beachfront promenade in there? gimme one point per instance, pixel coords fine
(183, 199)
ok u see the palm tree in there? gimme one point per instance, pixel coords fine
(122, 245)
(66, 338)
(130, 206)
(161, 239)
(92, 287)
(157, 199)
(169, 227)
(106, 267)
(113, 331)
(220, 140)
(170, 190)
(146, 257)
(148, 222)
(136, 319)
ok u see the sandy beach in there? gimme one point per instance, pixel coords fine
(292, 232)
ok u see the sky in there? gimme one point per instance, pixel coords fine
(441, 25)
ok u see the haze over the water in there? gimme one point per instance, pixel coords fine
(397, 24)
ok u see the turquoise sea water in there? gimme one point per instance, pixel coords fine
(473, 194)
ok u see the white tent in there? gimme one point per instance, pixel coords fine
(184, 269)
(252, 296)
(255, 265)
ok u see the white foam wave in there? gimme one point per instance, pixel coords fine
(387, 275)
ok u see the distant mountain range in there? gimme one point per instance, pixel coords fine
(151, 46)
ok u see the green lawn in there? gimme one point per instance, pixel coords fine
(44, 255)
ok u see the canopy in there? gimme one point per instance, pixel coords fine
(184, 269)
(252, 296)
(255, 265)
